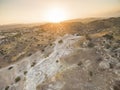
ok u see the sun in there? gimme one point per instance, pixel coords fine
(55, 15)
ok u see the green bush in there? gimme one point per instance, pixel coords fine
(90, 45)
(7, 87)
(17, 79)
(25, 72)
(33, 64)
(10, 68)
(60, 41)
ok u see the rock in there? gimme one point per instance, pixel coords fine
(117, 72)
(104, 65)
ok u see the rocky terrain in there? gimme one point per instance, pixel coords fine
(62, 56)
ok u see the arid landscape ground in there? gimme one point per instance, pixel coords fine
(71, 55)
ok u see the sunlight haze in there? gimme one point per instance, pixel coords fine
(29, 11)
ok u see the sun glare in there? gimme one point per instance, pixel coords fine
(55, 15)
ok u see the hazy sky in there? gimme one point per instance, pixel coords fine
(24, 11)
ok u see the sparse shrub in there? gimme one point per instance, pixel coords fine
(90, 73)
(114, 48)
(39, 45)
(99, 59)
(33, 64)
(107, 36)
(2, 52)
(29, 54)
(107, 46)
(78, 34)
(7, 87)
(17, 79)
(42, 50)
(57, 61)
(118, 41)
(111, 65)
(117, 85)
(25, 72)
(90, 45)
(50, 44)
(80, 63)
(10, 68)
(60, 41)
(87, 37)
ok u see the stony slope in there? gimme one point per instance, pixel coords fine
(55, 57)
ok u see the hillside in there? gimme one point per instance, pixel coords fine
(71, 55)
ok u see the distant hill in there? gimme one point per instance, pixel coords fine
(78, 26)
(84, 20)
(16, 26)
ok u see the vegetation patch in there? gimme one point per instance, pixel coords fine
(29, 54)
(117, 85)
(90, 45)
(10, 68)
(33, 64)
(57, 61)
(17, 79)
(7, 87)
(80, 63)
(60, 41)
(25, 72)
(87, 37)
(107, 36)
(90, 73)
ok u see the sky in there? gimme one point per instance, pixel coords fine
(29, 11)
